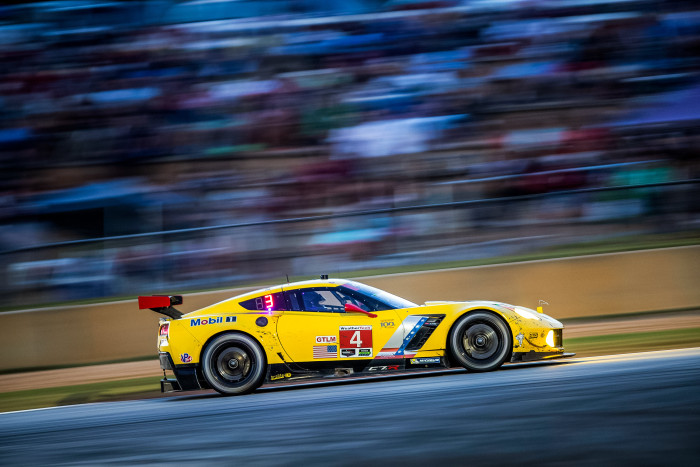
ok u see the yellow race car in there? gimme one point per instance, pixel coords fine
(335, 327)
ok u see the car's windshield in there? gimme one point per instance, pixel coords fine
(385, 297)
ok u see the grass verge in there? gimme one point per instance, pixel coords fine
(80, 394)
(633, 342)
(150, 387)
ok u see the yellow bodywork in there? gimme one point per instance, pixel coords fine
(290, 336)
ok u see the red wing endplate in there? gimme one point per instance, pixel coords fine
(162, 304)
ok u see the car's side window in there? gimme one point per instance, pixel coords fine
(355, 300)
(320, 300)
(329, 300)
(294, 301)
(361, 300)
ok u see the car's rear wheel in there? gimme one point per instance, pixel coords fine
(234, 364)
(480, 341)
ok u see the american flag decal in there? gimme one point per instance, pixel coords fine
(325, 351)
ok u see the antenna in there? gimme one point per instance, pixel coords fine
(287, 278)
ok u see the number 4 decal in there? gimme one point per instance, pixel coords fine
(355, 340)
(355, 337)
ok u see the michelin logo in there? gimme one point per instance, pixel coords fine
(425, 360)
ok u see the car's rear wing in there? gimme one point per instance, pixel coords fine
(162, 304)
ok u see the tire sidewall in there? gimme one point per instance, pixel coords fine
(499, 326)
(252, 382)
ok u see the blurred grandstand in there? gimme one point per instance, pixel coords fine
(258, 130)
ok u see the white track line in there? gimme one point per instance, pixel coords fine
(654, 354)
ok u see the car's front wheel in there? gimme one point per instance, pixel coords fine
(234, 364)
(480, 341)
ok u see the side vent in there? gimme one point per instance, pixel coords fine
(425, 332)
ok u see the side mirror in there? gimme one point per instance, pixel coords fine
(350, 308)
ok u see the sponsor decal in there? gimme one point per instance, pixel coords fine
(280, 376)
(520, 338)
(205, 321)
(388, 356)
(326, 340)
(163, 342)
(185, 358)
(346, 353)
(387, 323)
(533, 335)
(396, 345)
(230, 319)
(325, 351)
(364, 352)
(383, 368)
(354, 338)
(425, 360)
(355, 328)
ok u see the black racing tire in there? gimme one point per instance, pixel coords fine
(480, 341)
(233, 364)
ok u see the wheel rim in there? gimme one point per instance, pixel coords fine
(233, 364)
(480, 341)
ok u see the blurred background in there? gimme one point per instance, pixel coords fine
(174, 146)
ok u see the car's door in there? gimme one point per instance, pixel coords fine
(318, 329)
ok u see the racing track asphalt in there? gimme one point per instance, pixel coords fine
(638, 409)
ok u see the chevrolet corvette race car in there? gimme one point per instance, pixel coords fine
(336, 327)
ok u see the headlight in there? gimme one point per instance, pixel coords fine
(550, 338)
(525, 313)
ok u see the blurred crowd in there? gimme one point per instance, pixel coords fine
(128, 118)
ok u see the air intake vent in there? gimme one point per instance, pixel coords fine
(424, 332)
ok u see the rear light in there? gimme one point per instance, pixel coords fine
(164, 329)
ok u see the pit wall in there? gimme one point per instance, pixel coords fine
(585, 286)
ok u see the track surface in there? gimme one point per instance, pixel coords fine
(641, 409)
